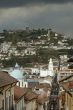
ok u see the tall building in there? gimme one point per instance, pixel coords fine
(49, 71)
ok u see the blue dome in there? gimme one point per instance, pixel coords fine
(17, 73)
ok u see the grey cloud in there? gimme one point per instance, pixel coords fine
(57, 17)
(19, 3)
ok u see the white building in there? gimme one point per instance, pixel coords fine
(49, 71)
(5, 46)
(30, 51)
(35, 70)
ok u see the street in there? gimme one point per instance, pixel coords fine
(53, 99)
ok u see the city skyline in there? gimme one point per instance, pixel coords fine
(58, 15)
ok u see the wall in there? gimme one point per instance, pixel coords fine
(7, 96)
(31, 105)
(40, 107)
(20, 104)
(68, 102)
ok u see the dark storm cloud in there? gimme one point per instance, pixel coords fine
(57, 14)
(19, 3)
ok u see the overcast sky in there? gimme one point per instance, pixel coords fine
(56, 14)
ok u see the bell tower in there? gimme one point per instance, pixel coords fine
(50, 66)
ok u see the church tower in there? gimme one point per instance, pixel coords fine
(50, 66)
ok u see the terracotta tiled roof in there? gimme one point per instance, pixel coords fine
(18, 93)
(43, 85)
(6, 79)
(38, 86)
(42, 98)
(62, 95)
(65, 85)
(68, 85)
(33, 84)
(30, 96)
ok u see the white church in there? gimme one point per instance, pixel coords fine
(49, 71)
(18, 73)
(44, 72)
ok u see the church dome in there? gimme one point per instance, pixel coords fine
(17, 73)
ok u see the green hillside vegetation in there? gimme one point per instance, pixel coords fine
(42, 54)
